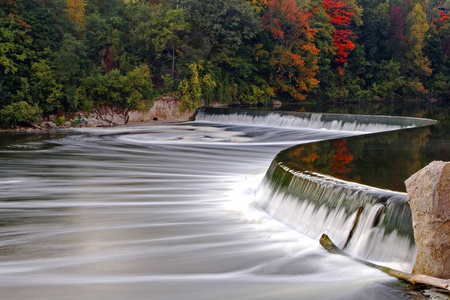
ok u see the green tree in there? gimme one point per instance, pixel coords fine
(228, 23)
(15, 42)
(192, 88)
(71, 66)
(166, 32)
(46, 90)
(19, 113)
(133, 90)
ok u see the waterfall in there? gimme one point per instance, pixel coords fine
(337, 122)
(367, 222)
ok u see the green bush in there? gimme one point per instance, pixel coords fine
(134, 90)
(19, 113)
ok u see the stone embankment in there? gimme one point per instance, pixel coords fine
(165, 109)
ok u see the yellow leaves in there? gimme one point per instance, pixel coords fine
(259, 53)
(260, 3)
(311, 48)
(75, 12)
(416, 86)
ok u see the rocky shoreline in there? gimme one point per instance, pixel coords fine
(165, 109)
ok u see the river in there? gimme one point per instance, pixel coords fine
(162, 212)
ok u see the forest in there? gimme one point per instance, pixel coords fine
(61, 56)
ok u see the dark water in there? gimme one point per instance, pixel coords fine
(162, 212)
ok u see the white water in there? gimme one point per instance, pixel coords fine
(351, 123)
(160, 212)
(314, 204)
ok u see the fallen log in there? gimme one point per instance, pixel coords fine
(326, 243)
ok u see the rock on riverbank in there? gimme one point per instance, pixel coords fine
(429, 197)
(165, 109)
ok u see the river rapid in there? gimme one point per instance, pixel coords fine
(162, 212)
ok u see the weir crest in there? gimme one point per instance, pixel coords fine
(321, 187)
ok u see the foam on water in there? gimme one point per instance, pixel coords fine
(351, 123)
(121, 213)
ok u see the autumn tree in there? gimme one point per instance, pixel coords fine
(295, 55)
(75, 12)
(342, 158)
(340, 17)
(260, 3)
(437, 49)
(397, 38)
(416, 63)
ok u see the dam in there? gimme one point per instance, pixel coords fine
(226, 206)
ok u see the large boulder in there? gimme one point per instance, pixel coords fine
(429, 197)
(165, 109)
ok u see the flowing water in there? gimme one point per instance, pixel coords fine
(164, 212)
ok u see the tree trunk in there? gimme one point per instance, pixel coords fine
(173, 60)
(326, 242)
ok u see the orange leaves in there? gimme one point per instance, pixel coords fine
(342, 158)
(295, 56)
(294, 75)
(75, 12)
(311, 49)
(306, 154)
(260, 3)
(276, 30)
(284, 17)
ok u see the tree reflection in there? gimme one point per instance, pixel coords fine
(383, 160)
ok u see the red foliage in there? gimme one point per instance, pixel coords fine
(341, 18)
(285, 17)
(342, 158)
(398, 40)
(343, 44)
(439, 22)
(337, 10)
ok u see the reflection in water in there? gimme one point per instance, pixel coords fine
(383, 160)
(161, 212)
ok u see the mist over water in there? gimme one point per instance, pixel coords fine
(161, 212)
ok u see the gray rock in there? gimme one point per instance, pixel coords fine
(48, 124)
(92, 122)
(429, 197)
(276, 103)
(66, 124)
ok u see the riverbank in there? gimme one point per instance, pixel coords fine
(165, 109)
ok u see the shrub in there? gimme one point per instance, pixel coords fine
(19, 113)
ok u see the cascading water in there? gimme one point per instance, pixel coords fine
(353, 123)
(167, 212)
(369, 223)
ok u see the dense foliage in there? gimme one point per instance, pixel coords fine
(68, 55)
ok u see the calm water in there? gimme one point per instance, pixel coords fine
(162, 212)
